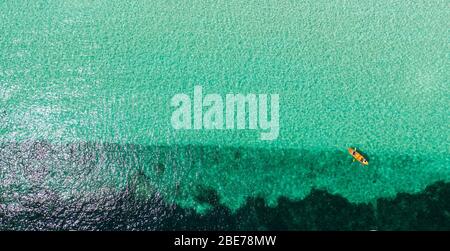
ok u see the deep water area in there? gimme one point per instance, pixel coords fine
(111, 187)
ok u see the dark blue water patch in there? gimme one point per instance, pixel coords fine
(319, 211)
(28, 201)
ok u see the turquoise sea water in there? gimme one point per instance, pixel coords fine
(370, 74)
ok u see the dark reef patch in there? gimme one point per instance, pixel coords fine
(207, 195)
(28, 201)
(320, 210)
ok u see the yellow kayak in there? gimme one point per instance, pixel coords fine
(358, 156)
